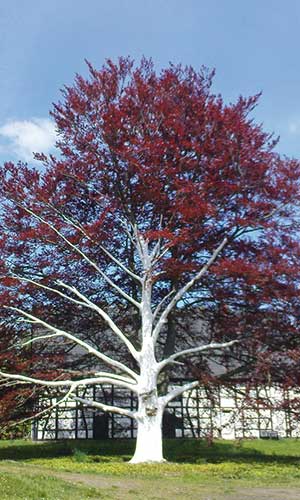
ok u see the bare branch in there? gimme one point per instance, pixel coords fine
(49, 409)
(79, 227)
(121, 265)
(116, 377)
(62, 333)
(193, 350)
(177, 392)
(85, 302)
(105, 316)
(186, 287)
(23, 379)
(164, 250)
(104, 407)
(158, 308)
(48, 288)
(83, 255)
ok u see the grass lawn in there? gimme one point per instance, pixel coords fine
(250, 469)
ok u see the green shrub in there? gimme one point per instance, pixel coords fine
(80, 456)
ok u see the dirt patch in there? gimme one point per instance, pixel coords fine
(265, 494)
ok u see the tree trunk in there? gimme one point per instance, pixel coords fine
(169, 348)
(149, 431)
(150, 410)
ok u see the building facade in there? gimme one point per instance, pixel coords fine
(222, 413)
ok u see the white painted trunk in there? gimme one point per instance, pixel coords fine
(149, 431)
(150, 410)
(149, 436)
(150, 406)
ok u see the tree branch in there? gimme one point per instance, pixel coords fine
(85, 302)
(48, 288)
(23, 379)
(121, 265)
(46, 410)
(48, 383)
(104, 407)
(79, 227)
(83, 255)
(87, 347)
(193, 350)
(116, 377)
(163, 300)
(177, 392)
(105, 316)
(186, 287)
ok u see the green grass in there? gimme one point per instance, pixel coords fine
(191, 464)
(253, 460)
(16, 485)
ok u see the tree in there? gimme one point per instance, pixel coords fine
(163, 198)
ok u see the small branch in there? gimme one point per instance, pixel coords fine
(116, 377)
(79, 228)
(104, 407)
(275, 210)
(105, 316)
(48, 383)
(186, 287)
(177, 392)
(62, 333)
(158, 308)
(121, 265)
(23, 379)
(83, 255)
(85, 302)
(193, 350)
(165, 249)
(48, 288)
(50, 408)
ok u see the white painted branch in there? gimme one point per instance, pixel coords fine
(86, 303)
(87, 347)
(84, 256)
(142, 248)
(115, 381)
(177, 392)
(49, 288)
(116, 377)
(79, 228)
(124, 224)
(165, 249)
(48, 383)
(159, 251)
(65, 383)
(185, 288)
(157, 246)
(49, 409)
(159, 306)
(156, 250)
(193, 350)
(105, 316)
(121, 265)
(104, 407)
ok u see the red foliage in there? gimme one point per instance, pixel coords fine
(18, 400)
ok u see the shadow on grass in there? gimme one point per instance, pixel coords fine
(190, 451)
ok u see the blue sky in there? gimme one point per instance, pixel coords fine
(254, 46)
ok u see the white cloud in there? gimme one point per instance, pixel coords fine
(22, 138)
(294, 127)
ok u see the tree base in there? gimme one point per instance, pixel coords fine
(135, 461)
